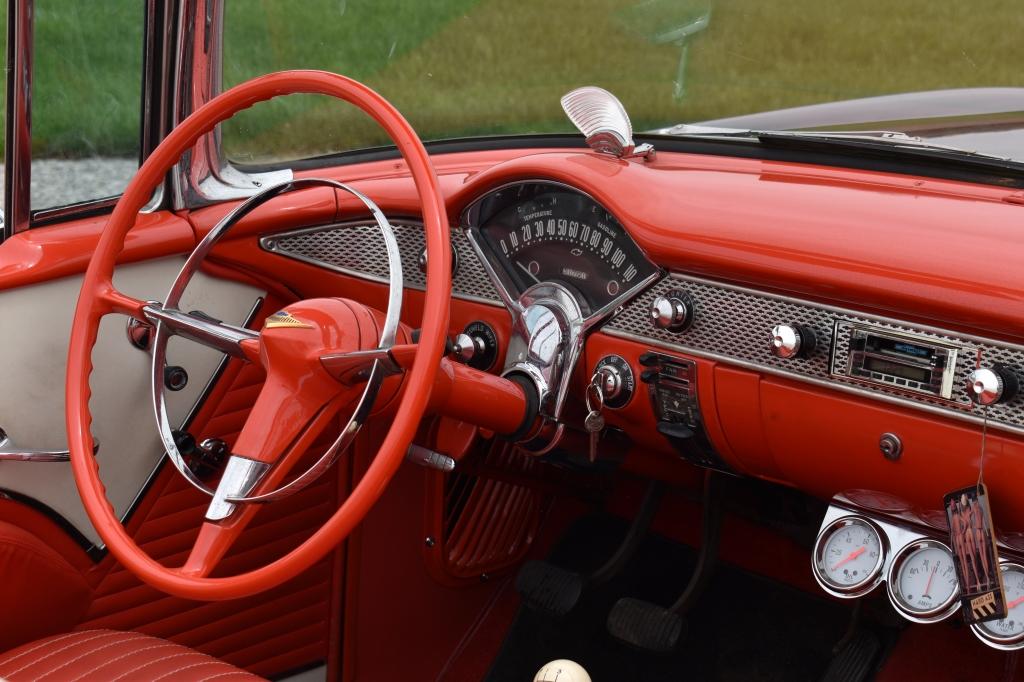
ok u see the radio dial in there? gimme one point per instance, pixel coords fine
(991, 385)
(672, 311)
(792, 341)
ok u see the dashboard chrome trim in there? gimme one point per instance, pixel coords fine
(723, 310)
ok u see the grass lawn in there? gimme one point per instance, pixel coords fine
(470, 67)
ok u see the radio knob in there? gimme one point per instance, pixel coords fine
(792, 341)
(991, 385)
(672, 311)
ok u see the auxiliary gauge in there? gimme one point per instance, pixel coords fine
(1007, 633)
(848, 557)
(922, 582)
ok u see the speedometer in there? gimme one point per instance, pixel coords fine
(544, 232)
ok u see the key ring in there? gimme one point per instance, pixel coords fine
(595, 383)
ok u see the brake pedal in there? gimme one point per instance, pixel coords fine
(556, 591)
(656, 628)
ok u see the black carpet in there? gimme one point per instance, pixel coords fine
(745, 628)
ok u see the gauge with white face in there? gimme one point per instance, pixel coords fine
(848, 557)
(922, 582)
(1008, 632)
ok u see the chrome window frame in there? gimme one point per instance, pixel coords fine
(18, 215)
(203, 176)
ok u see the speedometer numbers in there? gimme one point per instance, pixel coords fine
(848, 557)
(544, 232)
(1007, 633)
(922, 582)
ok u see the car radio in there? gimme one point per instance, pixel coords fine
(896, 360)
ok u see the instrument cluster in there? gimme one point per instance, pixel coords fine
(544, 232)
(855, 553)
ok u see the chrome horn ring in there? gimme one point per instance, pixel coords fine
(221, 507)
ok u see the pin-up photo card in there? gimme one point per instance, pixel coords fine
(977, 558)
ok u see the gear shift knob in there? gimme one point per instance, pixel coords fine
(562, 670)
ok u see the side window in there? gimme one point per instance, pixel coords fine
(86, 100)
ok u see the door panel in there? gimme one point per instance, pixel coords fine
(35, 328)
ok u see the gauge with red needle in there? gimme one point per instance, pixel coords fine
(922, 581)
(848, 556)
(1007, 633)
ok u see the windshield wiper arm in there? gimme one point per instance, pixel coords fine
(875, 139)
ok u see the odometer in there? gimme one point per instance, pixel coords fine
(542, 232)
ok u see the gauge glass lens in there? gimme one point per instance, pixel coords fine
(1011, 627)
(926, 579)
(850, 555)
(538, 232)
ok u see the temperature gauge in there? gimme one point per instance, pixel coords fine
(1007, 633)
(922, 582)
(848, 557)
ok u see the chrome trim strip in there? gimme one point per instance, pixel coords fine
(947, 409)
(17, 213)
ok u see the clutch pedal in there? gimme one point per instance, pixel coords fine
(555, 591)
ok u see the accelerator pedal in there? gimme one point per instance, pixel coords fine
(856, 661)
(547, 588)
(646, 626)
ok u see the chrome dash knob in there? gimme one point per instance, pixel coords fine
(672, 311)
(991, 385)
(465, 347)
(792, 341)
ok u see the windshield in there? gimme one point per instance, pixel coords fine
(458, 68)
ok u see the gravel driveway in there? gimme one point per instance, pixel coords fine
(59, 182)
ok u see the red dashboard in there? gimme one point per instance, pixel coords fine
(916, 251)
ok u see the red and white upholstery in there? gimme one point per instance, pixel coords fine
(113, 656)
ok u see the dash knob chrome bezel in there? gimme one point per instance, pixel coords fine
(672, 311)
(991, 385)
(792, 341)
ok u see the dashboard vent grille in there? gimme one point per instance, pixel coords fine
(357, 249)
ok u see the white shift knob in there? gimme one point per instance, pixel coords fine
(562, 670)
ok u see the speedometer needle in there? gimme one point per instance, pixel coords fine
(1015, 602)
(850, 557)
(527, 271)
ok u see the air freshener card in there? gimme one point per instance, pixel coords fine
(977, 559)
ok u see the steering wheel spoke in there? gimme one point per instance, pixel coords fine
(235, 341)
(355, 367)
(113, 301)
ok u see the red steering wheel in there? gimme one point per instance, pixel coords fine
(290, 351)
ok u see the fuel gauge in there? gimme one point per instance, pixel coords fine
(848, 557)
